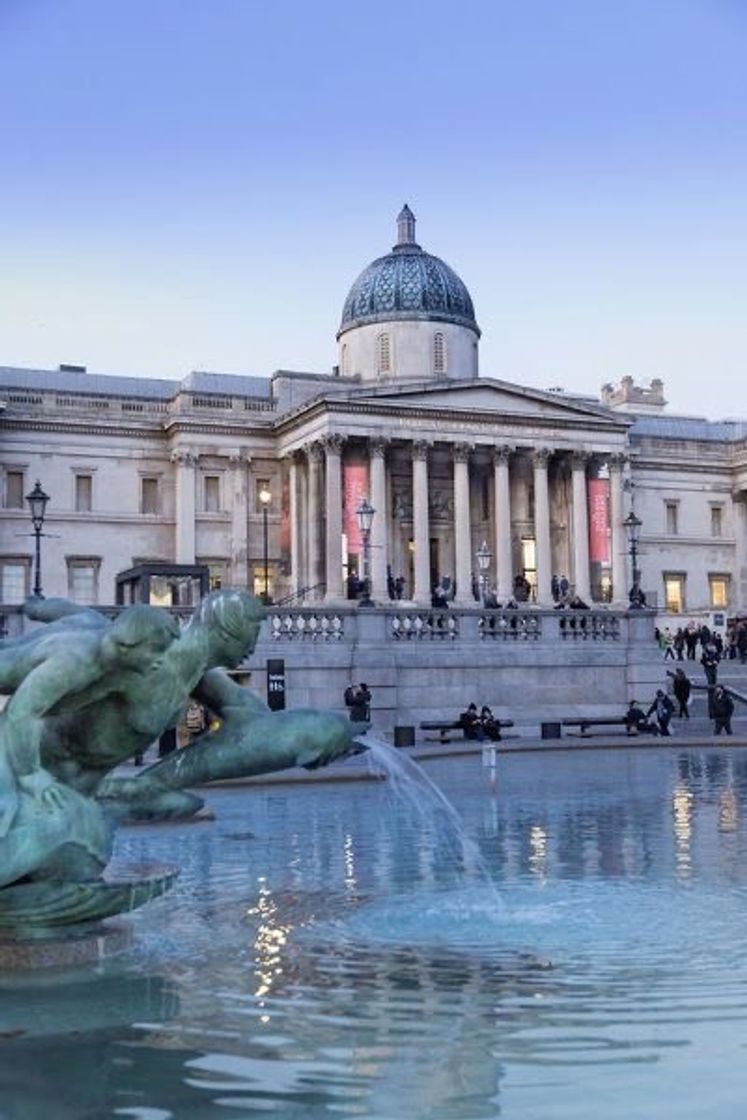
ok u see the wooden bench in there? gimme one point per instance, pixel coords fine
(583, 723)
(446, 727)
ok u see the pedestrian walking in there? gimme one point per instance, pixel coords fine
(723, 710)
(681, 688)
(662, 708)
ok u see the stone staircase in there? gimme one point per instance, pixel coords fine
(731, 674)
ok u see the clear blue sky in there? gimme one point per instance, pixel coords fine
(194, 184)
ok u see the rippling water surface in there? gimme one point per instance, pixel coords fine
(328, 952)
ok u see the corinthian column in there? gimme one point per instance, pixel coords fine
(420, 529)
(313, 527)
(503, 562)
(239, 462)
(296, 574)
(580, 526)
(185, 463)
(618, 543)
(462, 528)
(542, 525)
(379, 542)
(333, 495)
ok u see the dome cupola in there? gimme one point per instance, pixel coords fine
(405, 301)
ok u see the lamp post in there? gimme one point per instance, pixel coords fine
(632, 526)
(265, 497)
(484, 556)
(365, 515)
(37, 501)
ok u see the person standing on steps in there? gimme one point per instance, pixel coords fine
(681, 688)
(723, 710)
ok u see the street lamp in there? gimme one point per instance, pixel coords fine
(632, 525)
(484, 556)
(265, 497)
(37, 501)
(365, 515)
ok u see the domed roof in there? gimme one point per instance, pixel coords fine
(408, 283)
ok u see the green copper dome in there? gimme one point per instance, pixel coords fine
(408, 283)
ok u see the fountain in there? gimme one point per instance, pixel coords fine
(85, 695)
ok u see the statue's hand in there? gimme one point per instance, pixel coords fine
(41, 787)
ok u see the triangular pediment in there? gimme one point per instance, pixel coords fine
(491, 396)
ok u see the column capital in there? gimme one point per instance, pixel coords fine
(460, 452)
(580, 459)
(314, 452)
(184, 458)
(541, 456)
(333, 443)
(502, 454)
(377, 447)
(420, 450)
(238, 459)
(617, 461)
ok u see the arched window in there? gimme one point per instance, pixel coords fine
(439, 352)
(383, 354)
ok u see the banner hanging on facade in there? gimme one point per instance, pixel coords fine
(355, 482)
(599, 521)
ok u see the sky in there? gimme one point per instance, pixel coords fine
(195, 184)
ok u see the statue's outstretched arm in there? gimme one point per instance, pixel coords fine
(49, 610)
(228, 700)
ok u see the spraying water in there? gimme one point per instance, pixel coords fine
(410, 783)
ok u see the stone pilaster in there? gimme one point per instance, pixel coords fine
(239, 462)
(540, 460)
(502, 549)
(581, 579)
(462, 528)
(420, 524)
(184, 545)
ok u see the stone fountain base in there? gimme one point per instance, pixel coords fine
(64, 949)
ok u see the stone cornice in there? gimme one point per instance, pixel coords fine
(483, 419)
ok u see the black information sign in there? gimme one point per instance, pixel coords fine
(276, 683)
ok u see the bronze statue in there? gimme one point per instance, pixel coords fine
(86, 694)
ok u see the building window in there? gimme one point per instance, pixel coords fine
(345, 360)
(211, 496)
(439, 352)
(674, 592)
(383, 354)
(14, 579)
(717, 521)
(217, 569)
(718, 586)
(529, 563)
(14, 489)
(83, 493)
(149, 495)
(83, 580)
(672, 515)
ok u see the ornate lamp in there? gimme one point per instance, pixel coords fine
(632, 526)
(265, 498)
(484, 556)
(365, 514)
(37, 501)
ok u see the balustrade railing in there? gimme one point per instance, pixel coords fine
(306, 626)
(589, 626)
(424, 625)
(510, 626)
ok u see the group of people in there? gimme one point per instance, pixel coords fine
(480, 724)
(683, 643)
(657, 718)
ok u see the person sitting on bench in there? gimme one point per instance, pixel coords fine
(471, 723)
(636, 722)
(490, 726)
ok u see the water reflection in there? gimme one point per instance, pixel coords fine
(327, 955)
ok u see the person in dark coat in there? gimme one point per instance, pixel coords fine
(635, 720)
(662, 708)
(681, 688)
(360, 709)
(723, 710)
(471, 724)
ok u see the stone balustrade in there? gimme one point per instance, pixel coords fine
(306, 625)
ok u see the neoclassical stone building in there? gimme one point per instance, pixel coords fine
(141, 470)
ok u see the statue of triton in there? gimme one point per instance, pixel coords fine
(87, 693)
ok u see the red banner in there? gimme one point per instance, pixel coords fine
(599, 521)
(355, 481)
